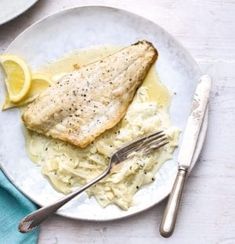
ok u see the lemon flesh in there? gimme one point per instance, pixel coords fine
(39, 83)
(18, 77)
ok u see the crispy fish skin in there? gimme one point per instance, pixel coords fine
(85, 103)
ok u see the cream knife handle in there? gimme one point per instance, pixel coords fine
(169, 217)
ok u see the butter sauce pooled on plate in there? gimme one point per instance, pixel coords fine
(156, 90)
(67, 166)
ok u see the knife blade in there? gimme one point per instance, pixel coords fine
(194, 122)
(186, 152)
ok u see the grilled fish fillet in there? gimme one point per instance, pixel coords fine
(85, 103)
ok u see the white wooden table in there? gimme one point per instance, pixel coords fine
(207, 215)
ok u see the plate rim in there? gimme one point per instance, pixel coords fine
(203, 128)
(23, 10)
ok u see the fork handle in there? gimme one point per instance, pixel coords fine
(34, 219)
(170, 214)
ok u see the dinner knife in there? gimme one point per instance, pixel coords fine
(187, 148)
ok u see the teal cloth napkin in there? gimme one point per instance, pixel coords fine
(13, 207)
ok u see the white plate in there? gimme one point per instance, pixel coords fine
(84, 27)
(12, 8)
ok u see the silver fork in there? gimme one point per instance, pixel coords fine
(145, 144)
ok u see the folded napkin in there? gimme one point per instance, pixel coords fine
(13, 207)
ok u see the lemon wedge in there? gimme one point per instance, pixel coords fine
(18, 78)
(39, 83)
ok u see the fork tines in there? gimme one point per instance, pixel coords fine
(145, 144)
(156, 145)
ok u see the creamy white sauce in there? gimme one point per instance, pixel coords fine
(67, 166)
